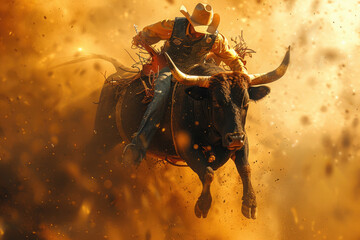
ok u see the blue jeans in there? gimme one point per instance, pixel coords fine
(154, 112)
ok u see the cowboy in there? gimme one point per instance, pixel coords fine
(188, 41)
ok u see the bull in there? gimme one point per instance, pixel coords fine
(204, 125)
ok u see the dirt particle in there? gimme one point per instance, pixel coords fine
(97, 66)
(355, 123)
(82, 72)
(329, 169)
(323, 108)
(331, 54)
(305, 120)
(346, 139)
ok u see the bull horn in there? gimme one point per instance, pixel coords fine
(201, 81)
(269, 77)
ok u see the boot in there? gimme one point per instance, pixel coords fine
(132, 155)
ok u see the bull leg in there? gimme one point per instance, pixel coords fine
(197, 162)
(203, 203)
(248, 208)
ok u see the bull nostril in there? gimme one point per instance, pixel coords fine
(234, 139)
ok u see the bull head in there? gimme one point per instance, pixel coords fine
(229, 94)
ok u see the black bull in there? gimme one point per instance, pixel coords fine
(202, 126)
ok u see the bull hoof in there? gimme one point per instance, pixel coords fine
(248, 208)
(198, 212)
(202, 206)
(249, 212)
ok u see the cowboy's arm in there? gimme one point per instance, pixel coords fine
(154, 33)
(227, 54)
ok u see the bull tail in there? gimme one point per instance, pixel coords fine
(117, 65)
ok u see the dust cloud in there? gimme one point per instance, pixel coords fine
(304, 144)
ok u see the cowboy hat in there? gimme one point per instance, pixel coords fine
(203, 19)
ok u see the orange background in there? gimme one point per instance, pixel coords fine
(304, 145)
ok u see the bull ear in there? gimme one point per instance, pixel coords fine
(257, 93)
(197, 93)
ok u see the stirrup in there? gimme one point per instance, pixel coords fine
(134, 160)
(126, 147)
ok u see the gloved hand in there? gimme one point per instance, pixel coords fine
(137, 40)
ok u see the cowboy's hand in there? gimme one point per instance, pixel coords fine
(137, 40)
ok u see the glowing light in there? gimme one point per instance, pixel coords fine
(85, 208)
(80, 49)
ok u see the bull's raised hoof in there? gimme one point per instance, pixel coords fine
(203, 203)
(249, 207)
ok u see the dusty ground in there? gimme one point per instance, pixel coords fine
(304, 137)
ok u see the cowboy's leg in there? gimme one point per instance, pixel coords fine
(153, 114)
